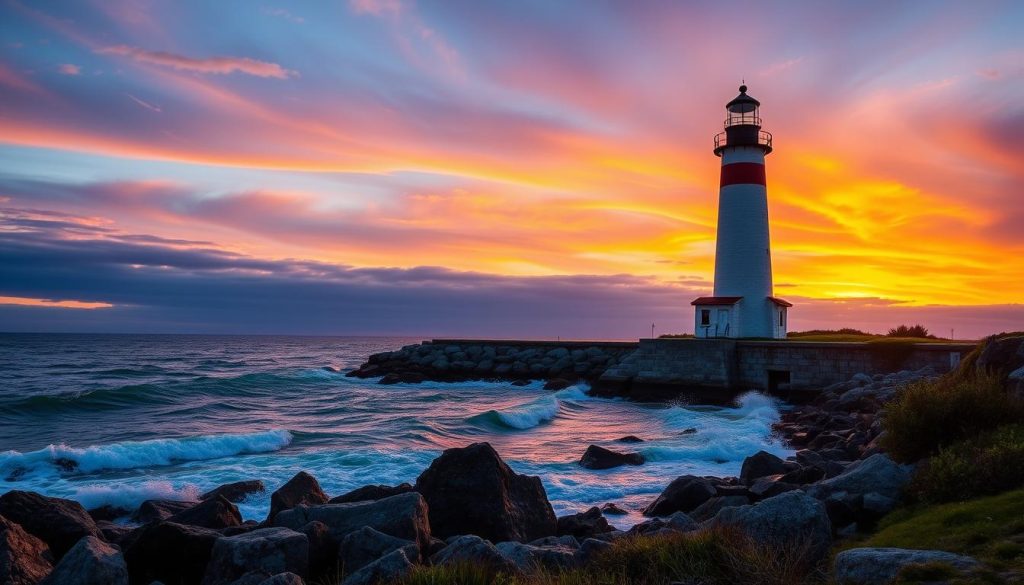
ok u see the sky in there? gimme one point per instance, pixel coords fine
(520, 169)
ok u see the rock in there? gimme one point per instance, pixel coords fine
(169, 552)
(362, 547)
(283, 579)
(371, 492)
(630, 439)
(387, 569)
(90, 562)
(472, 491)
(1001, 355)
(391, 378)
(113, 533)
(877, 473)
(684, 494)
(708, 509)
(24, 558)
(528, 558)
(57, 522)
(767, 487)
(675, 522)
(402, 516)
(475, 550)
(613, 509)
(557, 384)
(600, 458)
(301, 489)
(790, 520)
(214, 513)
(237, 491)
(590, 549)
(584, 524)
(563, 541)
(878, 566)
(267, 550)
(323, 548)
(159, 510)
(108, 513)
(761, 464)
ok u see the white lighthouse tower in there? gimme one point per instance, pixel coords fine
(743, 304)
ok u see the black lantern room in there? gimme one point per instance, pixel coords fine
(743, 125)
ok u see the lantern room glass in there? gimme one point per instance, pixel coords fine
(742, 114)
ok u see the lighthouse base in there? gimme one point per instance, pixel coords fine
(722, 317)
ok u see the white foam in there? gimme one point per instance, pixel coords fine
(130, 495)
(531, 414)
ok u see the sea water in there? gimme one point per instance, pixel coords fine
(118, 419)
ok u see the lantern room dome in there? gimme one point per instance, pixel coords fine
(742, 103)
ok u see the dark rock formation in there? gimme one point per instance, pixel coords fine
(237, 491)
(386, 569)
(403, 516)
(878, 566)
(301, 489)
(472, 549)
(170, 553)
(366, 545)
(108, 513)
(710, 508)
(57, 522)
(528, 557)
(584, 524)
(323, 548)
(267, 550)
(371, 492)
(761, 464)
(792, 520)
(596, 457)
(158, 510)
(630, 439)
(90, 562)
(613, 509)
(684, 494)
(675, 522)
(24, 559)
(214, 513)
(472, 491)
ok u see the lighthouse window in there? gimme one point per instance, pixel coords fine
(782, 317)
(705, 317)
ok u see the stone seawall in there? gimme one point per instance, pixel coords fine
(454, 360)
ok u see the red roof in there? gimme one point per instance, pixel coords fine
(717, 301)
(780, 302)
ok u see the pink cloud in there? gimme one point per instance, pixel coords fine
(377, 7)
(210, 65)
(69, 69)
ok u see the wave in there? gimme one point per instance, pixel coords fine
(128, 496)
(535, 412)
(138, 454)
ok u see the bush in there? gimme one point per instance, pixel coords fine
(911, 331)
(932, 414)
(988, 464)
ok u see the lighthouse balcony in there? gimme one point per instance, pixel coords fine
(739, 136)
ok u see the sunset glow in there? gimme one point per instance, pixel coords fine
(520, 141)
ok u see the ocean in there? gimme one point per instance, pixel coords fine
(118, 419)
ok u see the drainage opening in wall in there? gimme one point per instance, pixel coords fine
(778, 380)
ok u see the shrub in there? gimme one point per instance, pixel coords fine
(931, 414)
(988, 464)
(910, 331)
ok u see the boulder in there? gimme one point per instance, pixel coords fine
(114, 533)
(767, 487)
(362, 547)
(708, 509)
(675, 522)
(1001, 355)
(475, 550)
(630, 439)
(323, 548)
(791, 520)
(590, 549)
(684, 494)
(877, 473)
(267, 550)
(472, 491)
(24, 558)
(57, 522)
(878, 566)
(387, 569)
(402, 516)
(108, 513)
(214, 513)
(159, 510)
(584, 524)
(371, 492)
(528, 558)
(90, 562)
(170, 553)
(301, 489)
(237, 491)
(563, 541)
(600, 458)
(761, 464)
(613, 509)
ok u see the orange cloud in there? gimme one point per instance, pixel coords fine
(211, 65)
(62, 304)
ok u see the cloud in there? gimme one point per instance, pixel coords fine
(145, 104)
(376, 7)
(282, 13)
(209, 65)
(69, 69)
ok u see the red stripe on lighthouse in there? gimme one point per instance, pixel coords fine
(743, 173)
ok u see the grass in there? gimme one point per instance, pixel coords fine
(990, 463)
(710, 557)
(930, 415)
(990, 529)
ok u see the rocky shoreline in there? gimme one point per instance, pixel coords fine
(468, 506)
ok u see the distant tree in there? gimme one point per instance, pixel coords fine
(910, 331)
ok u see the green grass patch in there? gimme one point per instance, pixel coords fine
(930, 415)
(988, 464)
(710, 557)
(990, 529)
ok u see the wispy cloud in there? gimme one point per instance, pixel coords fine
(377, 7)
(282, 13)
(207, 65)
(69, 69)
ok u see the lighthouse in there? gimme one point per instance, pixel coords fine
(743, 304)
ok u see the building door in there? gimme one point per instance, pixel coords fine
(722, 323)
